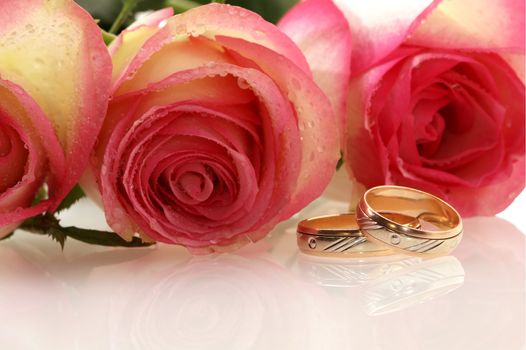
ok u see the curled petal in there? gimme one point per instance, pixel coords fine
(495, 25)
(127, 46)
(378, 27)
(468, 200)
(483, 200)
(154, 19)
(366, 156)
(55, 51)
(207, 21)
(517, 63)
(15, 200)
(326, 43)
(33, 129)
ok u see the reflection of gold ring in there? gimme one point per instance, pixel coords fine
(339, 235)
(414, 284)
(441, 225)
(351, 272)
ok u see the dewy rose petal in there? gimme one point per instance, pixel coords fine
(436, 96)
(216, 130)
(54, 86)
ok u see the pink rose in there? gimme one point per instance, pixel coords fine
(54, 87)
(436, 93)
(216, 130)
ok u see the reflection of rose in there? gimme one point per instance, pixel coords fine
(434, 102)
(32, 302)
(54, 84)
(215, 133)
(227, 302)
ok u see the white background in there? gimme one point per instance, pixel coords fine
(266, 296)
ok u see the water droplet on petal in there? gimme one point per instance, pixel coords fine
(258, 34)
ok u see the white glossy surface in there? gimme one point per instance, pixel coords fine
(267, 296)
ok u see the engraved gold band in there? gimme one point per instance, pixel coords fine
(441, 225)
(340, 236)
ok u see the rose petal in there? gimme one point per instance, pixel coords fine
(495, 25)
(510, 90)
(173, 57)
(132, 48)
(472, 201)
(492, 199)
(485, 168)
(471, 128)
(13, 155)
(379, 26)
(517, 62)
(365, 156)
(208, 21)
(325, 40)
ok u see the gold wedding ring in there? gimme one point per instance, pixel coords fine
(340, 235)
(441, 225)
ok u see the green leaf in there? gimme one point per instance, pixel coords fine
(58, 235)
(218, 1)
(73, 196)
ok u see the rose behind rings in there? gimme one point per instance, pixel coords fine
(215, 131)
(435, 92)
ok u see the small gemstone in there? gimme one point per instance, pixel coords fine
(312, 243)
(395, 239)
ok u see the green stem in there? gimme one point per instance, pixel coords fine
(47, 224)
(180, 6)
(127, 9)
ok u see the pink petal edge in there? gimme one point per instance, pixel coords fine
(325, 40)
